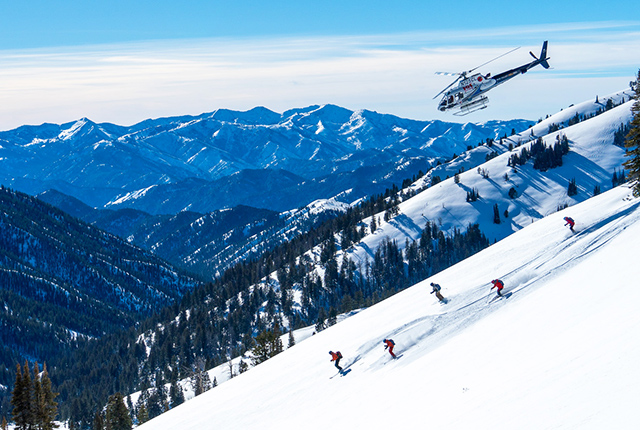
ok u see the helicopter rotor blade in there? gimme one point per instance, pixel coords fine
(450, 85)
(499, 56)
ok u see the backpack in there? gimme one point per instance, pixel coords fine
(392, 342)
(339, 355)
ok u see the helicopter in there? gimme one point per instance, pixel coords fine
(468, 96)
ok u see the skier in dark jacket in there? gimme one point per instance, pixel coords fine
(497, 283)
(388, 343)
(436, 289)
(570, 222)
(336, 356)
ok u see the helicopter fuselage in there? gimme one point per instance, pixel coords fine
(467, 90)
(468, 95)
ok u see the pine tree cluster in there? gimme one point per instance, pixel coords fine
(544, 157)
(33, 399)
(472, 195)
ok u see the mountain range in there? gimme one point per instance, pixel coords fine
(226, 158)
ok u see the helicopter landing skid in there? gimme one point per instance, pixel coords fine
(478, 104)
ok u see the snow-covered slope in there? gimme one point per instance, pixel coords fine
(592, 160)
(561, 352)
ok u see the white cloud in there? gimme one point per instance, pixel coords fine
(394, 74)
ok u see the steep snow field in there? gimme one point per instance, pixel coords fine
(561, 353)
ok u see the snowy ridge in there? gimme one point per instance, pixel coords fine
(469, 363)
(592, 160)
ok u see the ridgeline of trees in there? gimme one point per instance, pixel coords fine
(633, 140)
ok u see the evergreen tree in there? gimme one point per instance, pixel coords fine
(21, 399)
(292, 340)
(572, 188)
(117, 414)
(143, 414)
(496, 214)
(4, 425)
(322, 316)
(633, 142)
(200, 377)
(333, 317)
(46, 408)
(373, 226)
(268, 344)
(36, 394)
(155, 402)
(176, 395)
(98, 421)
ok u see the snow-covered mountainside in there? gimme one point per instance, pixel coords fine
(206, 244)
(226, 158)
(523, 194)
(560, 352)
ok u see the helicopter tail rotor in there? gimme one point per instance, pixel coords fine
(543, 56)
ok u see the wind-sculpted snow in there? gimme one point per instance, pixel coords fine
(560, 352)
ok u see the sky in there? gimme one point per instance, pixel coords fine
(123, 61)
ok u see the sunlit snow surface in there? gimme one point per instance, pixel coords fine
(562, 352)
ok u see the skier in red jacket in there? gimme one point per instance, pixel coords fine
(336, 356)
(388, 343)
(497, 283)
(570, 222)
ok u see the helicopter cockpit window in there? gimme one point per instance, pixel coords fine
(450, 99)
(460, 95)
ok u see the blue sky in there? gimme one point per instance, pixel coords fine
(122, 62)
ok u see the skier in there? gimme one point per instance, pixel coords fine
(436, 289)
(570, 223)
(336, 356)
(497, 283)
(388, 343)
